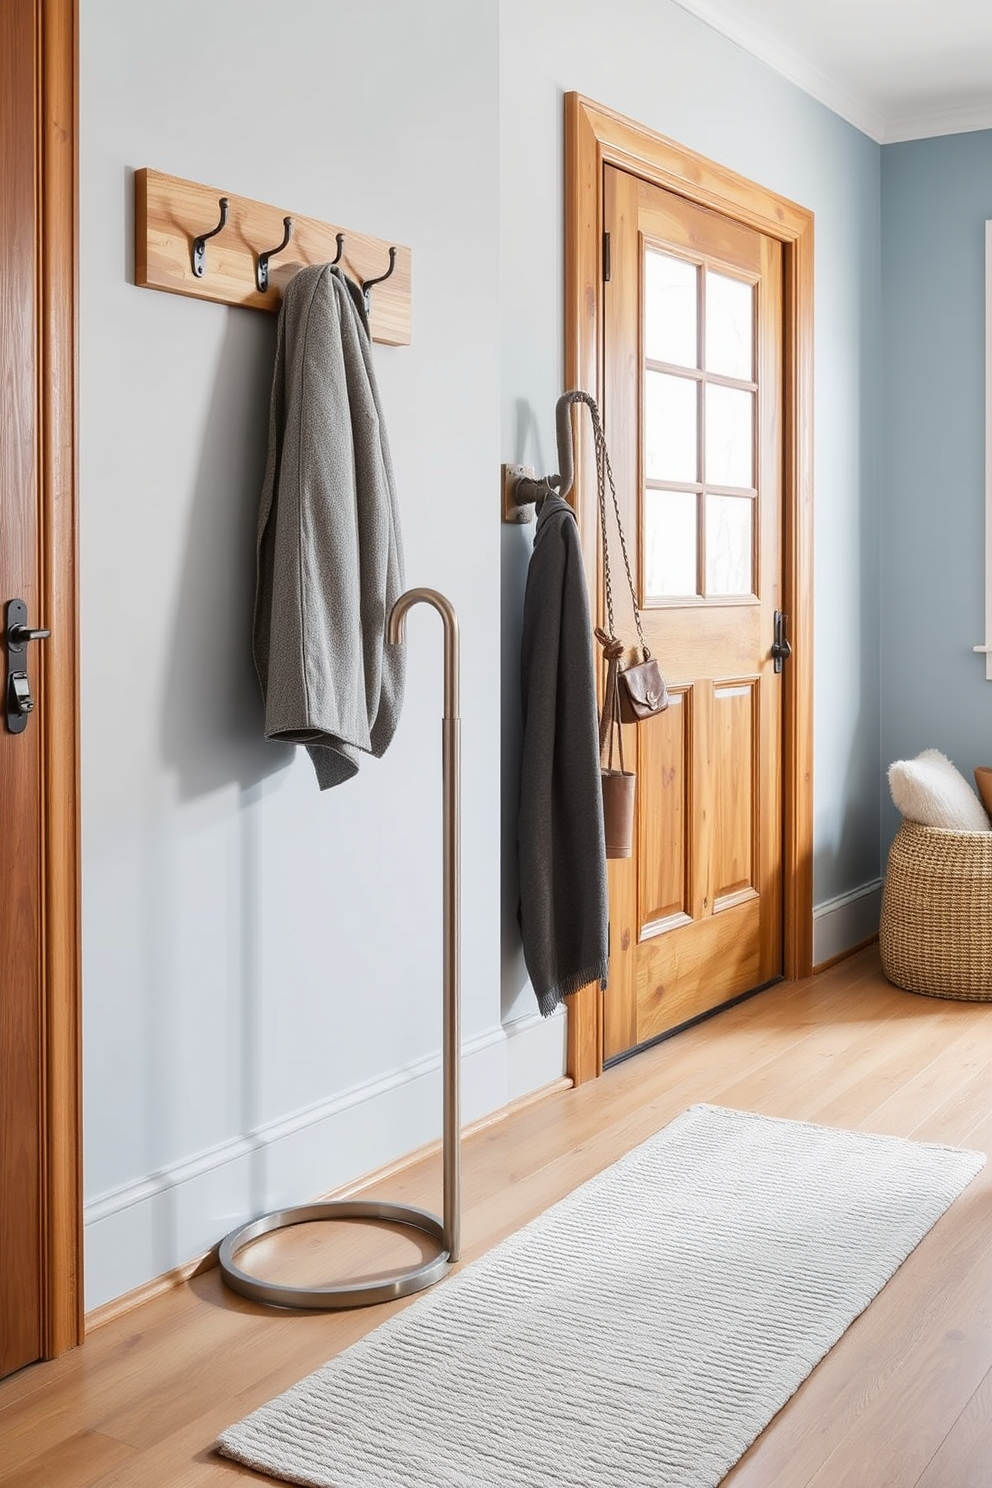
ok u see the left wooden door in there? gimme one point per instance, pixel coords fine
(40, 1208)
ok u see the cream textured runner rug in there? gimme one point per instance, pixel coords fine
(639, 1334)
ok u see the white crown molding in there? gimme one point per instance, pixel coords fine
(885, 129)
(789, 64)
(962, 120)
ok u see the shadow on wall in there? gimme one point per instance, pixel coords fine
(212, 721)
(212, 734)
(517, 544)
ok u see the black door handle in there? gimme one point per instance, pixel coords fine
(17, 635)
(781, 650)
(17, 690)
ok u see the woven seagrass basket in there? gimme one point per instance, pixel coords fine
(936, 929)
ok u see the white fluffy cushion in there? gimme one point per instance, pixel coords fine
(930, 790)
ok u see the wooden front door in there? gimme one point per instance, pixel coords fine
(40, 1208)
(693, 389)
(690, 910)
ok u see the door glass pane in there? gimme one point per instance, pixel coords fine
(729, 327)
(729, 545)
(671, 418)
(670, 309)
(670, 543)
(729, 436)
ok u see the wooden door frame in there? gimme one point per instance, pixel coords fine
(58, 711)
(596, 136)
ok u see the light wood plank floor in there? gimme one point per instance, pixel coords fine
(905, 1398)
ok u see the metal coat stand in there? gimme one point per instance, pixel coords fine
(447, 1232)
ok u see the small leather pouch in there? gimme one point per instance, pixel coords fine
(642, 690)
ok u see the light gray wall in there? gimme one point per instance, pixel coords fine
(262, 973)
(936, 197)
(262, 963)
(652, 61)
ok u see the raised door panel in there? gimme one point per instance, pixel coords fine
(664, 782)
(734, 866)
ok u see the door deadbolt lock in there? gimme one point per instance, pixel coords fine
(17, 634)
(20, 698)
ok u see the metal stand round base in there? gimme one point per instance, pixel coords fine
(358, 1294)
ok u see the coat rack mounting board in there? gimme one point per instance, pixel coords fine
(170, 214)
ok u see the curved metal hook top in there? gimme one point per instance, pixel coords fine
(397, 626)
(262, 265)
(368, 283)
(563, 433)
(527, 489)
(200, 243)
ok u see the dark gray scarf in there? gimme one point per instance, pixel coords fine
(564, 911)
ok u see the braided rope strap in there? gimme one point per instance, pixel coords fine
(609, 718)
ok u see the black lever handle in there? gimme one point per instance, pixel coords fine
(18, 635)
(17, 688)
(781, 650)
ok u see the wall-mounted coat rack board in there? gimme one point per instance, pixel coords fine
(197, 240)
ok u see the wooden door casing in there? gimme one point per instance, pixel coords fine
(20, 755)
(40, 1136)
(596, 136)
(697, 911)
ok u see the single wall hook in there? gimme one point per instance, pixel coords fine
(368, 283)
(525, 490)
(200, 243)
(339, 239)
(262, 263)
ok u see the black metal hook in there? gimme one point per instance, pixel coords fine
(262, 263)
(368, 283)
(200, 243)
(339, 239)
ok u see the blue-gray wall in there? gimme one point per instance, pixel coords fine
(936, 196)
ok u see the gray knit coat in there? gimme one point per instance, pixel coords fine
(330, 560)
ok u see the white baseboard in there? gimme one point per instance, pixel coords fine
(847, 921)
(535, 1052)
(144, 1229)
